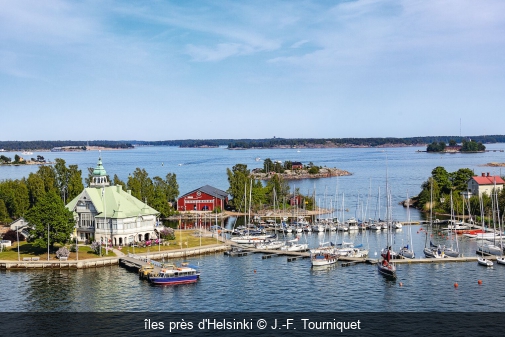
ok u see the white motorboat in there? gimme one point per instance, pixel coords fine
(350, 250)
(352, 224)
(376, 226)
(270, 245)
(323, 259)
(294, 246)
(397, 225)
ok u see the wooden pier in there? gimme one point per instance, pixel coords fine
(351, 261)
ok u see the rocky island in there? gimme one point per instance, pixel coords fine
(295, 170)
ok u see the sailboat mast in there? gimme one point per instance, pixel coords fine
(250, 200)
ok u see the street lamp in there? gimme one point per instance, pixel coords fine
(47, 242)
(76, 244)
(17, 233)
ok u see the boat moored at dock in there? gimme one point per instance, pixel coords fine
(171, 275)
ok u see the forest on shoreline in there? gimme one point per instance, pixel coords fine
(255, 143)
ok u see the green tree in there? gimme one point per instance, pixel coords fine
(4, 214)
(74, 185)
(4, 159)
(277, 188)
(425, 200)
(50, 213)
(116, 181)
(238, 178)
(89, 179)
(141, 185)
(62, 177)
(159, 199)
(165, 192)
(459, 179)
(172, 191)
(258, 195)
(16, 198)
(48, 175)
(452, 142)
(472, 146)
(436, 147)
(36, 189)
(268, 165)
(441, 176)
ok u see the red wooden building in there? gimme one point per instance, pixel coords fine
(296, 165)
(205, 198)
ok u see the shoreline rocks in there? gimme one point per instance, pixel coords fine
(324, 172)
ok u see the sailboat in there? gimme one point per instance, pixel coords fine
(451, 251)
(501, 259)
(432, 251)
(481, 260)
(407, 251)
(385, 267)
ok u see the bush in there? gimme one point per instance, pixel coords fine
(167, 233)
(62, 252)
(96, 247)
(217, 210)
(13, 236)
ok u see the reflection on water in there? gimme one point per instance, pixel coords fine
(250, 283)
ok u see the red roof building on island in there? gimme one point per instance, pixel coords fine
(485, 183)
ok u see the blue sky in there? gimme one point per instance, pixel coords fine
(156, 70)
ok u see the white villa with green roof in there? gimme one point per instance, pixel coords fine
(109, 214)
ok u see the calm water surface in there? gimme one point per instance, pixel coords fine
(230, 283)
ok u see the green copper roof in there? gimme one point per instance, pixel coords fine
(113, 203)
(99, 170)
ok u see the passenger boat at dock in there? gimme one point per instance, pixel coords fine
(323, 259)
(171, 275)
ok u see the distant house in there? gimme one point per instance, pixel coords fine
(21, 226)
(484, 183)
(296, 200)
(205, 198)
(296, 165)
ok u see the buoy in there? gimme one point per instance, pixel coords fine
(479, 282)
(401, 284)
(255, 271)
(456, 285)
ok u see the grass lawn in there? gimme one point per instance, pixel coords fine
(183, 239)
(188, 238)
(28, 250)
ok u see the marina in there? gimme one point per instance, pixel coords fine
(287, 280)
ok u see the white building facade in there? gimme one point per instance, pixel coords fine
(108, 214)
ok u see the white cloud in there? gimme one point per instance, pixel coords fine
(299, 44)
(220, 52)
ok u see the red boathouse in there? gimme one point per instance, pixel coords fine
(205, 198)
